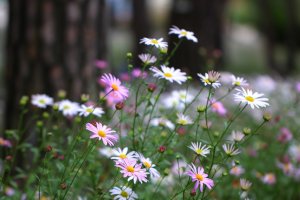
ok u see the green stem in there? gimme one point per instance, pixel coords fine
(76, 173)
(173, 51)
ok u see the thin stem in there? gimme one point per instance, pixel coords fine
(151, 113)
(173, 51)
(205, 114)
(76, 173)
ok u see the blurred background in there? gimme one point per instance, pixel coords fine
(48, 45)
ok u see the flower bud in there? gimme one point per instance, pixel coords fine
(267, 117)
(55, 107)
(48, 148)
(24, 100)
(62, 94)
(63, 186)
(85, 97)
(151, 87)
(39, 124)
(247, 131)
(120, 105)
(181, 131)
(129, 55)
(193, 192)
(201, 109)
(161, 149)
(166, 172)
(45, 115)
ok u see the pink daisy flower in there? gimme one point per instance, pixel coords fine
(113, 86)
(130, 168)
(218, 107)
(103, 133)
(198, 176)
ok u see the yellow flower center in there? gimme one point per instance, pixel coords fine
(168, 75)
(147, 164)
(130, 168)
(199, 151)
(237, 83)
(249, 98)
(42, 101)
(184, 33)
(207, 81)
(154, 41)
(124, 194)
(182, 121)
(66, 107)
(199, 177)
(122, 156)
(115, 87)
(101, 133)
(89, 110)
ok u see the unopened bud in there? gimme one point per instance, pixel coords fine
(62, 94)
(151, 87)
(77, 119)
(201, 109)
(267, 117)
(193, 192)
(48, 148)
(39, 124)
(163, 50)
(247, 131)
(166, 171)
(45, 115)
(120, 105)
(85, 97)
(63, 186)
(130, 66)
(181, 131)
(55, 107)
(24, 100)
(162, 149)
(129, 55)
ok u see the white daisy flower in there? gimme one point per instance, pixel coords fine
(106, 151)
(177, 99)
(123, 193)
(68, 107)
(230, 150)
(239, 81)
(41, 100)
(183, 119)
(149, 166)
(254, 99)
(236, 136)
(199, 149)
(211, 78)
(183, 33)
(158, 43)
(147, 58)
(169, 74)
(245, 184)
(162, 122)
(86, 110)
(121, 154)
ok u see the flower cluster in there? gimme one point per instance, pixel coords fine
(134, 165)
